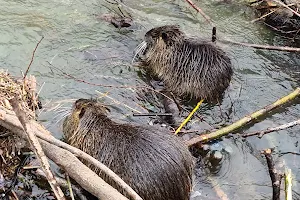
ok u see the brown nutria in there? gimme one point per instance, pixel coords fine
(280, 17)
(188, 66)
(157, 165)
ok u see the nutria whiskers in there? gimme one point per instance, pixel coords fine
(157, 165)
(188, 66)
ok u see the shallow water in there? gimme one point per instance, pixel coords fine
(79, 43)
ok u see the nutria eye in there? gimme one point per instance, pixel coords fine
(164, 36)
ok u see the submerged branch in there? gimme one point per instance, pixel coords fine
(267, 47)
(269, 130)
(240, 123)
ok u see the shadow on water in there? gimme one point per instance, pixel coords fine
(95, 51)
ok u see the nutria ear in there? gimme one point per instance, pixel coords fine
(164, 36)
(82, 111)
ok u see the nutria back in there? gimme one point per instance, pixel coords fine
(157, 165)
(189, 67)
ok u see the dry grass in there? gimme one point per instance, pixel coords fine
(25, 90)
(11, 144)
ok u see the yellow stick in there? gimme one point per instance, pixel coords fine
(288, 184)
(189, 117)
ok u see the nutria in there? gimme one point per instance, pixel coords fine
(279, 18)
(157, 165)
(189, 67)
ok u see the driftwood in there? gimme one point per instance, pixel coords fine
(103, 191)
(238, 124)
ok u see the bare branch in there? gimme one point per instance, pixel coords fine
(37, 148)
(32, 57)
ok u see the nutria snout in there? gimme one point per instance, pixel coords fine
(157, 165)
(189, 67)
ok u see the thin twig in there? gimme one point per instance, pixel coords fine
(101, 85)
(151, 114)
(32, 57)
(118, 102)
(288, 152)
(110, 86)
(207, 18)
(263, 16)
(269, 130)
(70, 186)
(37, 149)
(63, 183)
(268, 47)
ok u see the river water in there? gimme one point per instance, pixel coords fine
(90, 49)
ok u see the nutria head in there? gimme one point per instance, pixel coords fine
(170, 35)
(189, 67)
(77, 124)
(157, 165)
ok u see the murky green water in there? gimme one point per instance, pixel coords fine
(93, 50)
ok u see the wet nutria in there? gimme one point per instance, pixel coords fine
(188, 66)
(157, 165)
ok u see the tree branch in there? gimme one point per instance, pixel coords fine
(35, 145)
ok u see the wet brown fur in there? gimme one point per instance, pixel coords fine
(155, 164)
(188, 66)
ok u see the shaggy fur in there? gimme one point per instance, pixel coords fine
(157, 165)
(189, 67)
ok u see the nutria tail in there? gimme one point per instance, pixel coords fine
(188, 66)
(157, 165)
